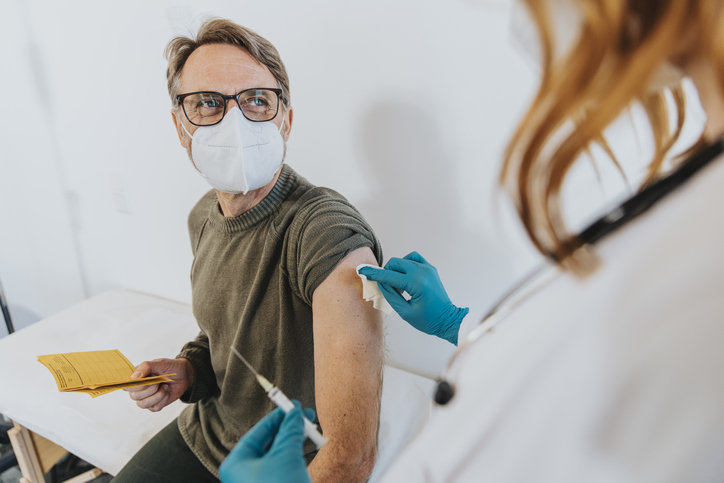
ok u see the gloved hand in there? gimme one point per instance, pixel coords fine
(429, 308)
(271, 452)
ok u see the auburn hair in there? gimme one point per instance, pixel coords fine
(621, 44)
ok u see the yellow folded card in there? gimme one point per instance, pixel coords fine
(95, 372)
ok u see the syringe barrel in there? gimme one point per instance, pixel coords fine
(310, 429)
(280, 399)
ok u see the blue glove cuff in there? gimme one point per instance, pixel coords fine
(452, 330)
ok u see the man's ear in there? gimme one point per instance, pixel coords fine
(289, 117)
(179, 127)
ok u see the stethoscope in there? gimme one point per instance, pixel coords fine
(549, 271)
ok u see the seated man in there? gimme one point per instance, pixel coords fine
(273, 276)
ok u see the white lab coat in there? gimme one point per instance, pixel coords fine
(614, 378)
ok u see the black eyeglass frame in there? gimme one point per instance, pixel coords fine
(180, 98)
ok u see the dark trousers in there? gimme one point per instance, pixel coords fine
(166, 458)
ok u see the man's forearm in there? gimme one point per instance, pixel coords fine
(337, 462)
(351, 452)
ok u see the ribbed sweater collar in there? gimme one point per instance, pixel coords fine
(263, 210)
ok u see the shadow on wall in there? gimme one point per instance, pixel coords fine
(415, 203)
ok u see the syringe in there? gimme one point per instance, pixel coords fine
(281, 400)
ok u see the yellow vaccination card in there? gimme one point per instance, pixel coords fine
(95, 372)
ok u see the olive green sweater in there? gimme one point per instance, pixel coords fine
(252, 282)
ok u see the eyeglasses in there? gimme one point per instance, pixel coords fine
(209, 108)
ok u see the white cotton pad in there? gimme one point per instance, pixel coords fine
(371, 292)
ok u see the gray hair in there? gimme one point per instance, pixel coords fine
(222, 31)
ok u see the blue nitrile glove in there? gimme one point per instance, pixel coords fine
(271, 452)
(429, 308)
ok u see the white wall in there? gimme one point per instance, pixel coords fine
(403, 106)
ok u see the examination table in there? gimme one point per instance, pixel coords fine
(108, 430)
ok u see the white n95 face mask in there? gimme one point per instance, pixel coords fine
(237, 155)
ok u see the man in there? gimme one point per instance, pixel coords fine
(273, 276)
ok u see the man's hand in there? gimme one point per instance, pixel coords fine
(155, 397)
(271, 452)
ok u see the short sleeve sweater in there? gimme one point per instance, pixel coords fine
(252, 279)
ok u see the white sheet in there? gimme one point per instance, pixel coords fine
(108, 430)
(406, 406)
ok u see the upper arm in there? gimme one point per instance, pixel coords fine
(325, 232)
(348, 355)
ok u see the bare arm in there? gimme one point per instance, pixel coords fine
(348, 353)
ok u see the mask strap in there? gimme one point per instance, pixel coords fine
(282, 124)
(184, 128)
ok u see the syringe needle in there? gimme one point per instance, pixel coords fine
(260, 379)
(280, 399)
(244, 360)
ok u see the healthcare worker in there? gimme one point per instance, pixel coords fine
(605, 365)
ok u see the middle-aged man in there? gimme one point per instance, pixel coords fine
(273, 276)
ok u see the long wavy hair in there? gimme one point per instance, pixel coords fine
(620, 46)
